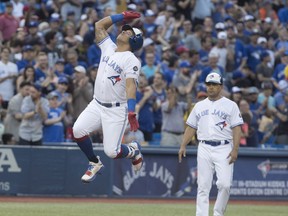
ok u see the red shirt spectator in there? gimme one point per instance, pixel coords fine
(8, 23)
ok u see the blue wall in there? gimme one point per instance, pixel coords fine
(56, 170)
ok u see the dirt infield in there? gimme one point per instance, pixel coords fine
(124, 200)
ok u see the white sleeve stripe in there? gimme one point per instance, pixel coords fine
(103, 40)
(235, 125)
(192, 126)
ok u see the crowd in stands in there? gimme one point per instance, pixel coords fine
(49, 62)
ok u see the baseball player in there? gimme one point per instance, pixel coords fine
(114, 96)
(217, 121)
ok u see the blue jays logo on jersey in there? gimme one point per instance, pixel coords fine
(222, 125)
(114, 79)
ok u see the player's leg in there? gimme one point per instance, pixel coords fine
(88, 121)
(205, 171)
(114, 122)
(224, 173)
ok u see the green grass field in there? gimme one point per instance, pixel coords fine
(119, 209)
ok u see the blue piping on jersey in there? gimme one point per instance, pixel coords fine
(103, 40)
(232, 126)
(193, 126)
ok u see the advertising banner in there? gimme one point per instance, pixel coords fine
(48, 171)
(254, 177)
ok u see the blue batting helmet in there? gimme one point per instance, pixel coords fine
(136, 41)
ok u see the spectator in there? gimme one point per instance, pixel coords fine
(253, 51)
(202, 9)
(263, 71)
(28, 56)
(8, 74)
(71, 7)
(34, 109)
(149, 22)
(93, 54)
(144, 108)
(44, 75)
(55, 25)
(195, 39)
(281, 132)
(266, 125)
(8, 24)
(280, 95)
(206, 44)
(130, 136)
(236, 52)
(71, 40)
(72, 62)
(58, 68)
(82, 92)
(51, 49)
(212, 66)
(184, 82)
(18, 7)
(278, 73)
(172, 111)
(158, 86)
(221, 50)
(252, 98)
(236, 95)
(265, 98)
(92, 73)
(53, 130)
(14, 116)
(32, 37)
(28, 75)
(252, 121)
(8, 139)
(262, 41)
(88, 26)
(150, 68)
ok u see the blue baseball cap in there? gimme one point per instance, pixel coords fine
(60, 61)
(228, 5)
(285, 53)
(63, 79)
(52, 95)
(184, 64)
(27, 48)
(237, 74)
(32, 24)
(264, 55)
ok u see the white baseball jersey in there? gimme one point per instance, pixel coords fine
(7, 87)
(114, 69)
(214, 120)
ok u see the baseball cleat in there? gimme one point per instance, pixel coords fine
(93, 169)
(137, 160)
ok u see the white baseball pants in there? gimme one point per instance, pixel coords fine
(113, 121)
(212, 159)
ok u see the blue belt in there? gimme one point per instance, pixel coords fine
(215, 143)
(108, 105)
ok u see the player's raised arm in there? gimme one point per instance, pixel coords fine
(102, 25)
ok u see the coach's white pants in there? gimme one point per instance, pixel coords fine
(209, 160)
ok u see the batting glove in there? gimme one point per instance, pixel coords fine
(134, 125)
(129, 15)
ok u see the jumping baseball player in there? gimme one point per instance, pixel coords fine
(114, 100)
(217, 121)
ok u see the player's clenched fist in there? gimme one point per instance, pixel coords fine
(134, 125)
(129, 15)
